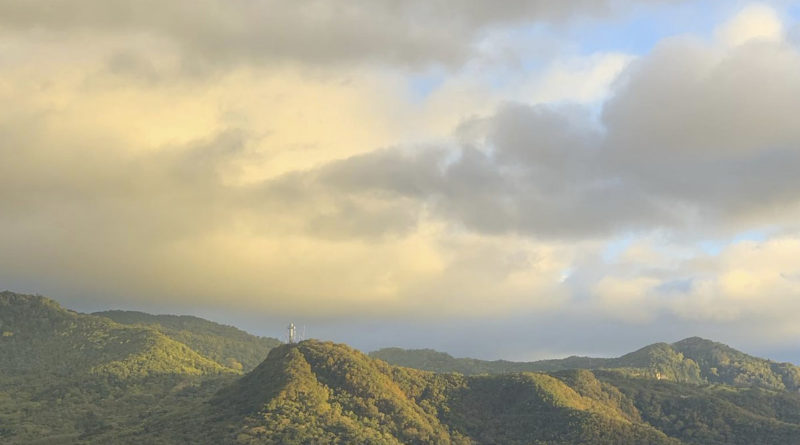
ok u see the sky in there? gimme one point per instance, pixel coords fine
(522, 179)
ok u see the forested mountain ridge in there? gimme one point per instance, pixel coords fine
(320, 392)
(227, 345)
(67, 377)
(692, 360)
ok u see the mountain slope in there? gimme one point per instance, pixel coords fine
(659, 361)
(713, 414)
(315, 392)
(74, 378)
(722, 364)
(227, 345)
(38, 335)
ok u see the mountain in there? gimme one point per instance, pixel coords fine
(693, 360)
(38, 335)
(315, 392)
(227, 345)
(720, 363)
(67, 377)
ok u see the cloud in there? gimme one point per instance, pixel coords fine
(222, 32)
(693, 135)
(102, 204)
(710, 128)
(749, 285)
(582, 80)
(321, 187)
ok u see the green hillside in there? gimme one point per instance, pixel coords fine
(659, 361)
(720, 363)
(38, 335)
(316, 392)
(227, 345)
(68, 378)
(713, 414)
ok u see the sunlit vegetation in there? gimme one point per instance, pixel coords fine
(68, 377)
(322, 392)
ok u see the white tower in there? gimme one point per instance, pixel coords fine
(291, 332)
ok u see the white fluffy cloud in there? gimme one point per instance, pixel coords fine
(750, 285)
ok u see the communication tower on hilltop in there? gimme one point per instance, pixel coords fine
(291, 332)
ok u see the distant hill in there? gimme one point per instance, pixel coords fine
(435, 361)
(693, 360)
(227, 345)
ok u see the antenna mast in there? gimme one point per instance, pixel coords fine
(291, 332)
